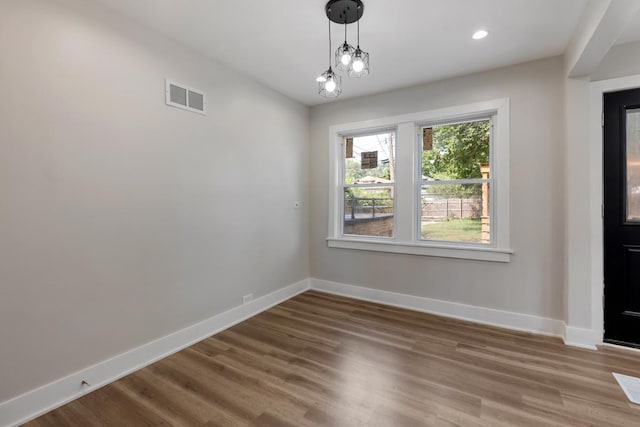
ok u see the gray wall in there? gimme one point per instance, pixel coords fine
(533, 282)
(122, 219)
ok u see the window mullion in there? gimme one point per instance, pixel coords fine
(405, 199)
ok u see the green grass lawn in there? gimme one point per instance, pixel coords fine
(455, 230)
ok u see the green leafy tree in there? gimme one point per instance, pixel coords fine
(458, 151)
(353, 172)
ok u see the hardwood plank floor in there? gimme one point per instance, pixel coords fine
(324, 360)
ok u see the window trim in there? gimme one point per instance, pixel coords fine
(406, 240)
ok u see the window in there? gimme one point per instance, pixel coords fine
(369, 171)
(456, 182)
(434, 183)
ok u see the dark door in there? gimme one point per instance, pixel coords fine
(622, 217)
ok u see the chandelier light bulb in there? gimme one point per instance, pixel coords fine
(358, 65)
(344, 56)
(330, 86)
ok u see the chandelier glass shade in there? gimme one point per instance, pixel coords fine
(344, 57)
(360, 64)
(329, 84)
(344, 54)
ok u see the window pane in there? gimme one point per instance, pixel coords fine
(633, 165)
(455, 151)
(370, 159)
(456, 213)
(368, 211)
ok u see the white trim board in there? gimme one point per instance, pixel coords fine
(622, 348)
(575, 337)
(50, 396)
(580, 337)
(487, 316)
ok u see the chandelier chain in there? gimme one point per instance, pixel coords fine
(329, 43)
(345, 29)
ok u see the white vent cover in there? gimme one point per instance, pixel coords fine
(181, 96)
(630, 386)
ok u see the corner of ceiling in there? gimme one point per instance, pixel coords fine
(599, 27)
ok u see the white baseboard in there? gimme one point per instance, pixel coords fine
(622, 348)
(580, 337)
(41, 400)
(487, 316)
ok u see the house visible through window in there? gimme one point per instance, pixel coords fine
(433, 183)
(369, 172)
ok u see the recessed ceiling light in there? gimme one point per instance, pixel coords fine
(480, 34)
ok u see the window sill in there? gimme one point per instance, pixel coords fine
(435, 250)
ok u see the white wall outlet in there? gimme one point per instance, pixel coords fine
(247, 298)
(296, 205)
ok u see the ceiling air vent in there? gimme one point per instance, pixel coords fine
(181, 96)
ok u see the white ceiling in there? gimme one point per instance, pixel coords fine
(284, 44)
(631, 32)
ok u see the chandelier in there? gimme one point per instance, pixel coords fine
(353, 61)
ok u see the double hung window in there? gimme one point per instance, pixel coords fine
(369, 185)
(455, 192)
(434, 183)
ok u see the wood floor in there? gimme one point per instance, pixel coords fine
(323, 360)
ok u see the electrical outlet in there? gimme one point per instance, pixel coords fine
(247, 298)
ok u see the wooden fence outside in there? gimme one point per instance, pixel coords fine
(450, 208)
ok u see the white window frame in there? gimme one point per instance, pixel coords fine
(342, 172)
(408, 183)
(492, 119)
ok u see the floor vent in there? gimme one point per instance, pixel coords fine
(181, 96)
(630, 386)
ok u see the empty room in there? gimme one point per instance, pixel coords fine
(320, 213)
